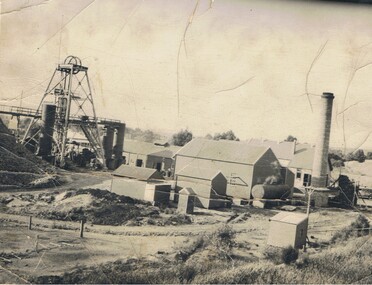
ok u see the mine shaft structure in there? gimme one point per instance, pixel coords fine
(68, 101)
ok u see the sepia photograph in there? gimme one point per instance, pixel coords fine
(185, 142)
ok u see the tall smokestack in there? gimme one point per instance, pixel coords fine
(320, 164)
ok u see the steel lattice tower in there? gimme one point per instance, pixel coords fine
(70, 90)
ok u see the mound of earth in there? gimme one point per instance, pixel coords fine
(18, 166)
(95, 206)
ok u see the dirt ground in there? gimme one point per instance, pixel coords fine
(53, 247)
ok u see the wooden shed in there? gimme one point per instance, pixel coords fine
(288, 229)
(132, 181)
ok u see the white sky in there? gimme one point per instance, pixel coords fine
(131, 49)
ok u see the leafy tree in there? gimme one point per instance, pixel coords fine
(290, 138)
(229, 135)
(141, 135)
(357, 155)
(337, 158)
(182, 137)
(369, 155)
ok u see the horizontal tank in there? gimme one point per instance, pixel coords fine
(267, 191)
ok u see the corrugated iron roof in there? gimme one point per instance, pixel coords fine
(224, 150)
(289, 218)
(139, 173)
(139, 147)
(193, 170)
(168, 152)
(282, 150)
(146, 148)
(304, 157)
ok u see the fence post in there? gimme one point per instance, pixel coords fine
(30, 223)
(82, 228)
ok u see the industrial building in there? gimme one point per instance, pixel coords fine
(244, 165)
(158, 156)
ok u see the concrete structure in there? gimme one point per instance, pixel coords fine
(119, 144)
(320, 176)
(149, 155)
(288, 229)
(107, 142)
(320, 163)
(46, 136)
(243, 165)
(186, 201)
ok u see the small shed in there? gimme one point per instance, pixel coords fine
(132, 181)
(186, 201)
(288, 229)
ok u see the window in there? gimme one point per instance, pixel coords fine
(307, 179)
(298, 174)
(139, 162)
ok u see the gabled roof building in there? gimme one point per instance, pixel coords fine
(244, 165)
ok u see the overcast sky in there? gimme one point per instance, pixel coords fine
(131, 49)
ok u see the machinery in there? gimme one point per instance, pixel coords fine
(68, 102)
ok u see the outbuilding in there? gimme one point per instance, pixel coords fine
(133, 181)
(186, 201)
(288, 229)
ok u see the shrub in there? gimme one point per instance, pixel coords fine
(224, 237)
(278, 255)
(289, 254)
(360, 227)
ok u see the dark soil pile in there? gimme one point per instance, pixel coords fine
(18, 166)
(106, 208)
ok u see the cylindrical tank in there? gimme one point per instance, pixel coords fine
(107, 142)
(119, 142)
(268, 191)
(320, 164)
(48, 116)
